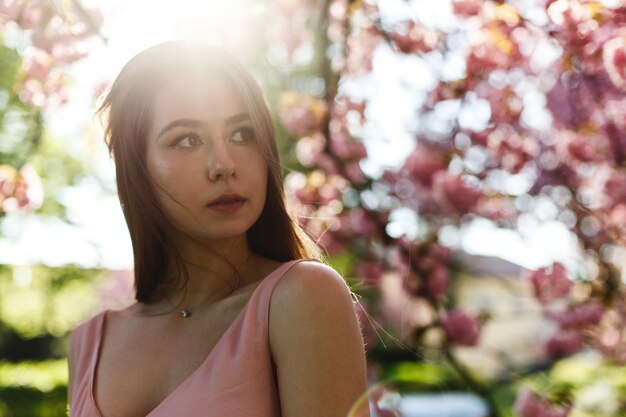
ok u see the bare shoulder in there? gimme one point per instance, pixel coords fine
(314, 331)
(310, 292)
(308, 280)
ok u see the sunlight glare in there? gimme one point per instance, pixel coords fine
(225, 23)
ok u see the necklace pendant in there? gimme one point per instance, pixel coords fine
(184, 313)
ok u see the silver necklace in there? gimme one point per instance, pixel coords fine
(183, 312)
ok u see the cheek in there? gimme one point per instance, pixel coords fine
(166, 171)
(262, 173)
(169, 184)
(160, 177)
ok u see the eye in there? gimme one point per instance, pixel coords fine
(187, 141)
(245, 134)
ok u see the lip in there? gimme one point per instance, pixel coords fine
(227, 203)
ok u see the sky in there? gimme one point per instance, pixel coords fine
(99, 236)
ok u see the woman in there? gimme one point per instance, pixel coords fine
(232, 317)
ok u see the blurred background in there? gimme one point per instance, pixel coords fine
(462, 161)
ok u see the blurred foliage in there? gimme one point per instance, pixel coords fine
(594, 384)
(33, 389)
(58, 169)
(420, 377)
(8, 70)
(22, 402)
(20, 124)
(23, 141)
(39, 305)
(43, 376)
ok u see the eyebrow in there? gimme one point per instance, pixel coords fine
(193, 123)
(237, 118)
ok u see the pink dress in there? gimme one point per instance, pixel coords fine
(236, 378)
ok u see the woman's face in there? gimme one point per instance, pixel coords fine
(204, 160)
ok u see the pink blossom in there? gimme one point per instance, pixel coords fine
(32, 93)
(568, 15)
(354, 172)
(614, 59)
(42, 41)
(31, 14)
(497, 208)
(486, 57)
(301, 114)
(462, 328)
(358, 222)
(587, 148)
(37, 64)
(331, 243)
(10, 9)
(309, 148)
(369, 270)
(617, 219)
(345, 147)
(8, 177)
(467, 7)
(615, 189)
(20, 190)
(422, 164)
(437, 282)
(345, 105)
(550, 283)
(327, 193)
(398, 261)
(441, 253)
(511, 149)
(479, 138)
(564, 343)
(68, 53)
(65, 48)
(413, 38)
(506, 104)
(453, 194)
(361, 45)
(327, 164)
(585, 314)
(572, 100)
(529, 404)
(337, 14)
(28, 189)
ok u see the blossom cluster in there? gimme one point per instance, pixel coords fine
(20, 190)
(57, 36)
(540, 104)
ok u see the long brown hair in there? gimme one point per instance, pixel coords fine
(126, 112)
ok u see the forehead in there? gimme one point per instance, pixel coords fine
(196, 96)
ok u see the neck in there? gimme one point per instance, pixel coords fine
(214, 270)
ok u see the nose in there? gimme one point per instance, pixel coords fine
(220, 165)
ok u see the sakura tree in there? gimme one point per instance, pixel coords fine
(527, 108)
(38, 40)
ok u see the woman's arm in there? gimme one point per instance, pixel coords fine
(316, 343)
